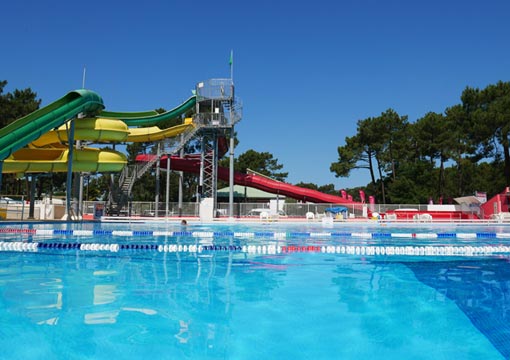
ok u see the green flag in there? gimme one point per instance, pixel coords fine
(231, 61)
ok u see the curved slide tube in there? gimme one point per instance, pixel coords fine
(55, 160)
(149, 118)
(27, 129)
(192, 165)
(45, 152)
(154, 133)
(90, 129)
(39, 158)
(102, 130)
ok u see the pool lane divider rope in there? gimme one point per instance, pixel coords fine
(436, 250)
(255, 234)
(20, 246)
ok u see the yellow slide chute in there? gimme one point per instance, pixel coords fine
(90, 129)
(55, 160)
(154, 133)
(101, 130)
(46, 154)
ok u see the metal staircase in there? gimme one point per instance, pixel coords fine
(121, 194)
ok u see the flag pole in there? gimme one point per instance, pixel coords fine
(231, 160)
(83, 78)
(231, 62)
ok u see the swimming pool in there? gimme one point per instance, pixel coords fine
(250, 291)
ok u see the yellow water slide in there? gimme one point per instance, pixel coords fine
(55, 160)
(154, 133)
(46, 154)
(95, 130)
(101, 130)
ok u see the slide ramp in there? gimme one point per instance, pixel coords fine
(191, 164)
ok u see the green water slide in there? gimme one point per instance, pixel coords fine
(21, 132)
(149, 118)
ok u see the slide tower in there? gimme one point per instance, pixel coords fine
(214, 110)
(217, 111)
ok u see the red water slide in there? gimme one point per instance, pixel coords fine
(191, 164)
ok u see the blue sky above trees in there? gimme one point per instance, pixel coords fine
(305, 72)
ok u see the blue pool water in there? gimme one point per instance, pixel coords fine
(251, 291)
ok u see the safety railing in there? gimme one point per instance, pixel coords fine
(53, 211)
(220, 89)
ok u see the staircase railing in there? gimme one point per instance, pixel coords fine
(131, 173)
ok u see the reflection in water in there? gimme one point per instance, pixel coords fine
(183, 335)
(214, 305)
(381, 302)
(104, 294)
(177, 300)
(480, 288)
(105, 317)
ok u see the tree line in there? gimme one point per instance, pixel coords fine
(440, 155)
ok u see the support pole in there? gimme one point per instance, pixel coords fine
(69, 180)
(1, 169)
(201, 178)
(215, 173)
(111, 198)
(158, 173)
(231, 176)
(31, 208)
(167, 200)
(80, 186)
(181, 178)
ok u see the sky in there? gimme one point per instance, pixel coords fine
(306, 72)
